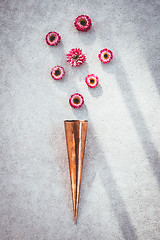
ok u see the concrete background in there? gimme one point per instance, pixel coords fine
(120, 190)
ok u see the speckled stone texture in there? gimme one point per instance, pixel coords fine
(120, 190)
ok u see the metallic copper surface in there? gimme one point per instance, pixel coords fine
(75, 131)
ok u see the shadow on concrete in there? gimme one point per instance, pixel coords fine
(87, 38)
(81, 113)
(138, 120)
(97, 91)
(148, 37)
(94, 155)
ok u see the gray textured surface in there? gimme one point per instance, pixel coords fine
(120, 188)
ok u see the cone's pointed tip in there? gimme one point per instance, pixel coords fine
(75, 220)
(75, 216)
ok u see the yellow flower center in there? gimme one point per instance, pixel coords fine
(75, 57)
(83, 22)
(57, 72)
(76, 100)
(106, 55)
(52, 38)
(92, 81)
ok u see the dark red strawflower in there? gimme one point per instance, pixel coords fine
(83, 23)
(53, 38)
(57, 72)
(76, 100)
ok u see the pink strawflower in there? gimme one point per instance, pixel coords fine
(92, 80)
(57, 72)
(83, 23)
(76, 100)
(105, 55)
(75, 57)
(53, 38)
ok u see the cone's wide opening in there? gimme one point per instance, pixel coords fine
(76, 121)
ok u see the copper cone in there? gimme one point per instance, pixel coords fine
(75, 137)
